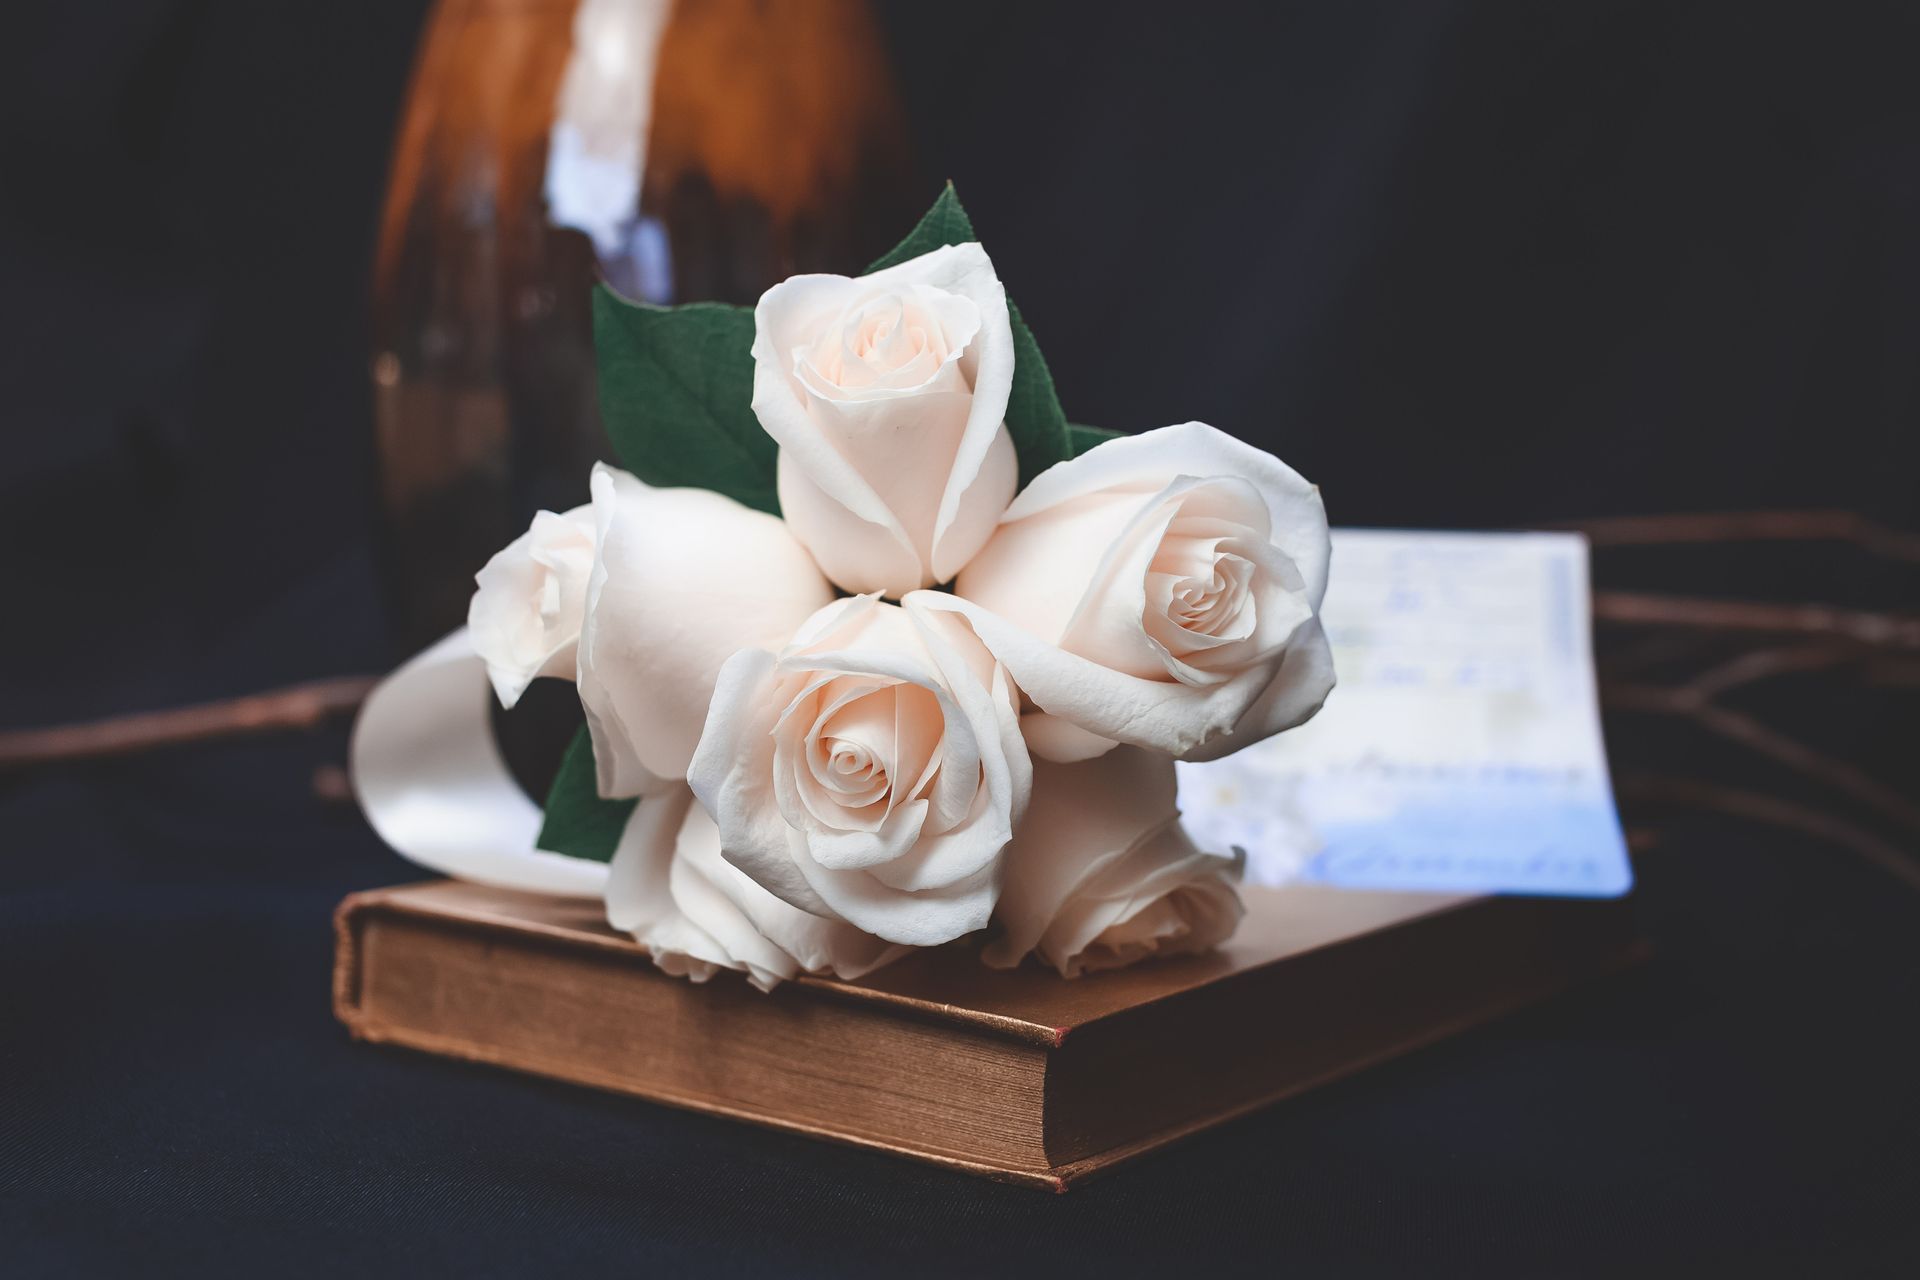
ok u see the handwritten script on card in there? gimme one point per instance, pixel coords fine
(1461, 750)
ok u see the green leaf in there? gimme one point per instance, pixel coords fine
(578, 822)
(1083, 437)
(1034, 418)
(944, 224)
(676, 394)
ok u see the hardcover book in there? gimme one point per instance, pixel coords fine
(1015, 1075)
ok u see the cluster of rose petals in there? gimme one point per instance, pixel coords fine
(839, 758)
(873, 771)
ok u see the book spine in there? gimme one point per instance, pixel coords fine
(794, 1058)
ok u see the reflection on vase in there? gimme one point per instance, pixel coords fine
(699, 150)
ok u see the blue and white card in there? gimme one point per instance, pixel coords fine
(1461, 750)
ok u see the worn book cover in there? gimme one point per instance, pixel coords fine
(1021, 1075)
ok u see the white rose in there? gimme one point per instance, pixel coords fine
(1102, 874)
(872, 772)
(1161, 590)
(887, 395)
(670, 888)
(683, 578)
(525, 616)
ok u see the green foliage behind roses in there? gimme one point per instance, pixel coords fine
(578, 821)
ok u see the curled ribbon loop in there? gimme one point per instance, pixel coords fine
(430, 778)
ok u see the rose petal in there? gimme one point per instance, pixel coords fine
(854, 850)
(929, 870)
(732, 771)
(530, 602)
(1108, 625)
(1143, 462)
(683, 579)
(1067, 543)
(970, 506)
(1080, 812)
(1297, 692)
(1161, 714)
(889, 491)
(925, 919)
(640, 896)
(670, 888)
(1062, 741)
(1099, 872)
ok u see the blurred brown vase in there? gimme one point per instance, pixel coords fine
(681, 150)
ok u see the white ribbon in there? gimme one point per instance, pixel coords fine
(429, 776)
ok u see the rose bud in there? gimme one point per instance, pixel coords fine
(525, 617)
(887, 394)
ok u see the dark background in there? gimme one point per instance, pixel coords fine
(1473, 265)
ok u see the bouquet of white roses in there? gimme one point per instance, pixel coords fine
(878, 651)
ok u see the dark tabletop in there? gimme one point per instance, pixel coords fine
(1464, 265)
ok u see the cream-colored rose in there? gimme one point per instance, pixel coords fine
(887, 394)
(872, 772)
(669, 887)
(683, 578)
(525, 616)
(1161, 590)
(1102, 874)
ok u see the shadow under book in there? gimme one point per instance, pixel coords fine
(1020, 1076)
